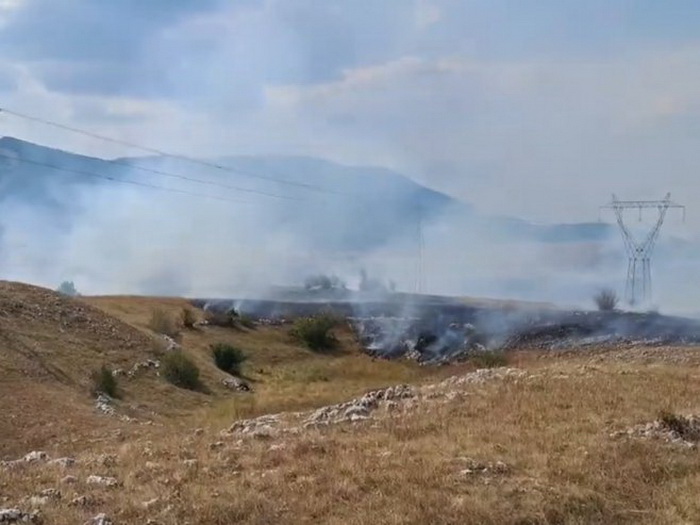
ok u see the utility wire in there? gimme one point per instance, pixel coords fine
(164, 153)
(123, 181)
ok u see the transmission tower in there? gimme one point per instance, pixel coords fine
(638, 286)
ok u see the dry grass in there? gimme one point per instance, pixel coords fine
(552, 429)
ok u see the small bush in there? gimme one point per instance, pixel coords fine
(247, 321)
(228, 358)
(606, 300)
(316, 332)
(189, 317)
(179, 370)
(163, 323)
(226, 319)
(680, 425)
(104, 382)
(68, 288)
(489, 359)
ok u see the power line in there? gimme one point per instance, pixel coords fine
(123, 181)
(164, 153)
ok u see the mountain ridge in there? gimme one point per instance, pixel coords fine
(379, 203)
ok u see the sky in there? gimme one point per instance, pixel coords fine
(537, 109)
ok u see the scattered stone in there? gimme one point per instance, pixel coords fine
(360, 409)
(674, 429)
(51, 493)
(80, 501)
(63, 462)
(107, 460)
(150, 503)
(474, 467)
(102, 480)
(149, 364)
(100, 519)
(262, 427)
(170, 343)
(190, 463)
(482, 375)
(198, 431)
(234, 383)
(103, 404)
(18, 516)
(217, 445)
(35, 456)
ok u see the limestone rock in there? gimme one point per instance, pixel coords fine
(102, 480)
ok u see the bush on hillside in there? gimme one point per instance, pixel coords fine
(163, 323)
(681, 425)
(316, 332)
(489, 359)
(226, 319)
(68, 288)
(228, 358)
(606, 300)
(189, 317)
(104, 382)
(180, 370)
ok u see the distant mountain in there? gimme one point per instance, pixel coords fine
(361, 207)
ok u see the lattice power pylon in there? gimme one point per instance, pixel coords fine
(638, 286)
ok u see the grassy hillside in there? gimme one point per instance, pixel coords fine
(544, 441)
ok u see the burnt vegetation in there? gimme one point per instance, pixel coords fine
(606, 300)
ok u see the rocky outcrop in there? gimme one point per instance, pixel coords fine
(236, 384)
(18, 516)
(358, 409)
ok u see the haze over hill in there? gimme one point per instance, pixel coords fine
(260, 221)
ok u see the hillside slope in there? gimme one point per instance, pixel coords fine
(49, 347)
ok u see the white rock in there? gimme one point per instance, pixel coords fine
(35, 456)
(100, 519)
(150, 503)
(17, 516)
(102, 480)
(63, 462)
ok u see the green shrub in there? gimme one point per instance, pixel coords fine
(316, 332)
(226, 319)
(104, 382)
(228, 358)
(68, 288)
(163, 323)
(189, 317)
(179, 370)
(489, 359)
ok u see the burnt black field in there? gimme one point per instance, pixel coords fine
(440, 329)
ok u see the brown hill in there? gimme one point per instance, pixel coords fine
(49, 347)
(51, 344)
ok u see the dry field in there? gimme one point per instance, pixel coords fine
(535, 443)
